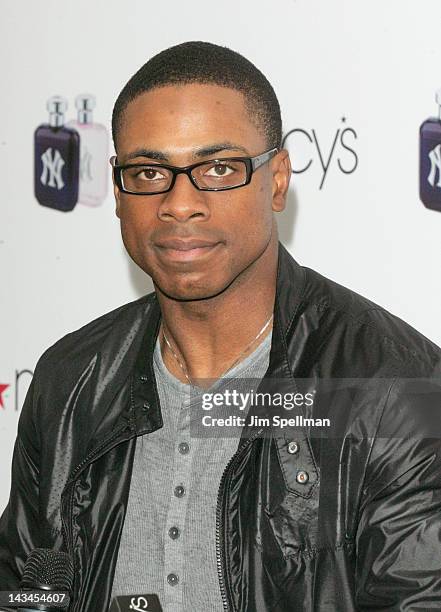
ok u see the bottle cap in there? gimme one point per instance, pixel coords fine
(57, 106)
(85, 103)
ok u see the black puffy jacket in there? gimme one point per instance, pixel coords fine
(362, 530)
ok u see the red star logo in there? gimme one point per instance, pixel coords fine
(2, 388)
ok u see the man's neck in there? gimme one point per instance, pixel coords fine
(208, 336)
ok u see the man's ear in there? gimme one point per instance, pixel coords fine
(282, 172)
(117, 194)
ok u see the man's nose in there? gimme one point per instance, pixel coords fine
(183, 201)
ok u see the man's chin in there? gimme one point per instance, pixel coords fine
(188, 293)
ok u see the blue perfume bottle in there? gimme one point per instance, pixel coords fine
(430, 159)
(56, 159)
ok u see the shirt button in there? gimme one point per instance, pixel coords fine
(144, 378)
(174, 533)
(179, 491)
(184, 448)
(173, 579)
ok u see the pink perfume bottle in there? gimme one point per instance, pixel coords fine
(94, 151)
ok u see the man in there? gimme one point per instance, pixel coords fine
(104, 464)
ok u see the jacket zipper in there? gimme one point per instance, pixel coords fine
(105, 446)
(219, 526)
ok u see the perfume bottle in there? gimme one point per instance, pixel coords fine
(430, 159)
(56, 159)
(94, 150)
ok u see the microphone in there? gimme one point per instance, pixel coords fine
(47, 571)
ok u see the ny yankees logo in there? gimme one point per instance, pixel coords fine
(435, 161)
(52, 166)
(86, 166)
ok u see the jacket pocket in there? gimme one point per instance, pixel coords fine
(293, 512)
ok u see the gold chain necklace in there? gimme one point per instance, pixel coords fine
(184, 369)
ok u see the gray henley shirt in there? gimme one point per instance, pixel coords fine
(168, 542)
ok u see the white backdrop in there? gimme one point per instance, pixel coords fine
(371, 68)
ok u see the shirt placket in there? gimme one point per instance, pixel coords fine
(174, 536)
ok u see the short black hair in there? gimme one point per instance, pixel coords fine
(207, 63)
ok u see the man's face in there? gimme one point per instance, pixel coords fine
(172, 124)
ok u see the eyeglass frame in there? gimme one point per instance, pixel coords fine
(251, 164)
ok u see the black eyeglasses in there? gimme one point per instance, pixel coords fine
(211, 175)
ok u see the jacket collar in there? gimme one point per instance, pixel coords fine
(123, 411)
(145, 412)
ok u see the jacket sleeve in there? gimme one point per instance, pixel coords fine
(398, 540)
(19, 523)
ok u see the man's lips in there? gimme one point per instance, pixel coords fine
(177, 249)
(180, 244)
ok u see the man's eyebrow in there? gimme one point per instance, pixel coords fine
(199, 153)
(216, 148)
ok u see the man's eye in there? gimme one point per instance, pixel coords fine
(150, 174)
(219, 170)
